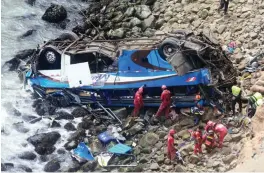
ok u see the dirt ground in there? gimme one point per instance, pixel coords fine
(252, 155)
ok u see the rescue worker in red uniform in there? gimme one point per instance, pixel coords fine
(170, 145)
(138, 102)
(219, 129)
(197, 135)
(165, 102)
(209, 139)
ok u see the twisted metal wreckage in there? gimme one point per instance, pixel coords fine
(81, 70)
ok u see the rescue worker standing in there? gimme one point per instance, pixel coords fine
(198, 110)
(236, 92)
(219, 129)
(138, 102)
(165, 102)
(223, 4)
(170, 145)
(254, 101)
(197, 135)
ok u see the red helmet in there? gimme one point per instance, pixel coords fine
(140, 90)
(163, 87)
(172, 132)
(210, 123)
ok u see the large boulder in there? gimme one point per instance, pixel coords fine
(228, 159)
(116, 34)
(135, 22)
(129, 12)
(21, 55)
(142, 11)
(52, 166)
(55, 14)
(138, 127)
(44, 142)
(149, 140)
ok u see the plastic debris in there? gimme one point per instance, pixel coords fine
(82, 153)
(104, 158)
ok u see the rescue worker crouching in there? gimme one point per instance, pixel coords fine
(138, 102)
(219, 129)
(209, 139)
(165, 102)
(236, 92)
(254, 101)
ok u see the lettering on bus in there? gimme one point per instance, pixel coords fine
(100, 79)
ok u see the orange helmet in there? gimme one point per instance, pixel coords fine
(172, 132)
(163, 87)
(140, 90)
(198, 97)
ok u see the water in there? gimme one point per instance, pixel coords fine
(17, 18)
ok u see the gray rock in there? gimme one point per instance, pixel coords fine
(55, 14)
(119, 17)
(69, 127)
(149, 2)
(142, 11)
(221, 29)
(229, 158)
(20, 127)
(52, 166)
(149, 140)
(196, 23)
(130, 12)
(179, 168)
(253, 35)
(160, 159)
(236, 137)
(226, 150)
(154, 166)
(135, 129)
(24, 168)
(159, 23)
(117, 33)
(194, 159)
(55, 124)
(148, 23)
(187, 121)
(184, 134)
(143, 160)
(203, 13)
(146, 150)
(63, 115)
(28, 155)
(135, 22)
(70, 145)
(89, 166)
(79, 112)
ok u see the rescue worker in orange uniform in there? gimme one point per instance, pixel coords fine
(138, 102)
(219, 129)
(170, 145)
(165, 102)
(197, 135)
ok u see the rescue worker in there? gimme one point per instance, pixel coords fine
(209, 139)
(223, 4)
(165, 102)
(197, 135)
(170, 145)
(219, 129)
(198, 110)
(138, 102)
(254, 101)
(236, 92)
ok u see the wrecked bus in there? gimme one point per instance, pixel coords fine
(84, 70)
